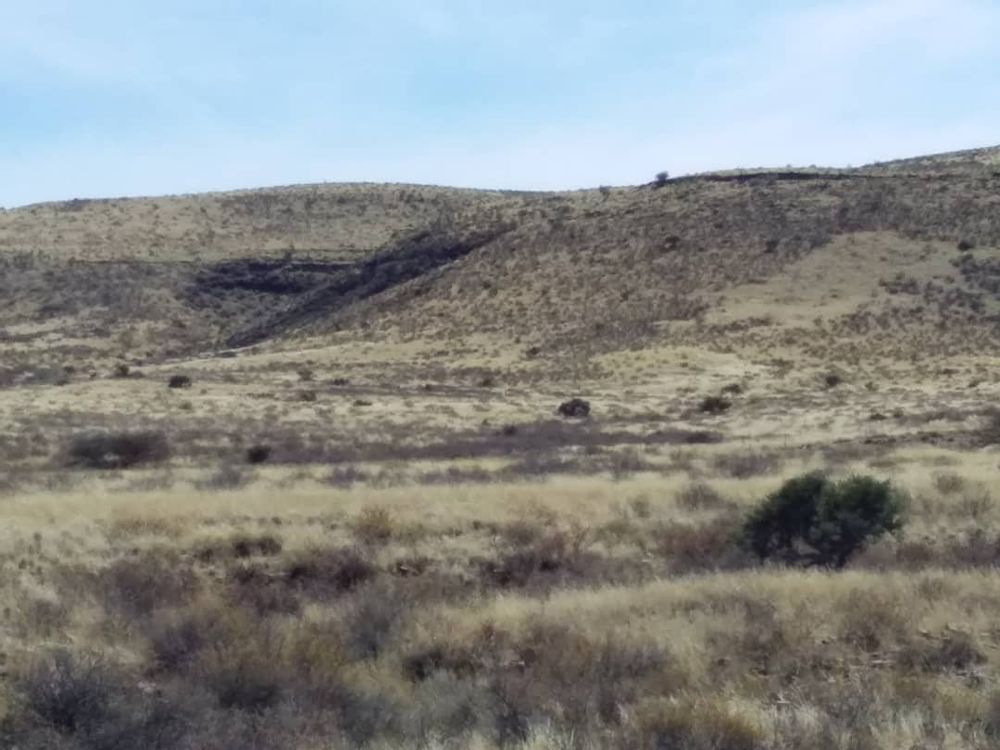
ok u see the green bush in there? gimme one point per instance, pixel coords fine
(815, 521)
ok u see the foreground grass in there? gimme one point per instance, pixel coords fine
(584, 613)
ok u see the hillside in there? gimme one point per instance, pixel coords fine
(706, 463)
(815, 265)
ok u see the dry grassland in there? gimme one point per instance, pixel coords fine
(286, 468)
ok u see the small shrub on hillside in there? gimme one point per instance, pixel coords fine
(120, 450)
(258, 454)
(179, 381)
(662, 178)
(575, 408)
(714, 405)
(814, 520)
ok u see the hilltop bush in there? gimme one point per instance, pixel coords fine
(813, 520)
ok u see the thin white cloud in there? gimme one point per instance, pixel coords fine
(583, 102)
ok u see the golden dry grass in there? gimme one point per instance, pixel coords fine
(373, 529)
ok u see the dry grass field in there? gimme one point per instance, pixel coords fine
(286, 468)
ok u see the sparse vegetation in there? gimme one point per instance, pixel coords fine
(378, 530)
(122, 450)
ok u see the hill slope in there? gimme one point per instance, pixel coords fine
(826, 265)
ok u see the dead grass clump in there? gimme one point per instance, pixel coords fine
(700, 496)
(549, 673)
(556, 557)
(625, 463)
(553, 553)
(746, 464)
(458, 475)
(44, 618)
(520, 533)
(974, 548)
(238, 545)
(374, 525)
(689, 548)
(534, 467)
(373, 615)
(955, 651)
(707, 724)
(327, 571)
(121, 450)
(261, 591)
(137, 585)
(949, 483)
(79, 701)
(176, 637)
(250, 545)
(244, 675)
(346, 476)
(874, 621)
(226, 478)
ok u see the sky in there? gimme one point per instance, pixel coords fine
(108, 98)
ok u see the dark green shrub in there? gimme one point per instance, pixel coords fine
(813, 520)
(179, 381)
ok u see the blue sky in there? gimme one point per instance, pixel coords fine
(129, 97)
